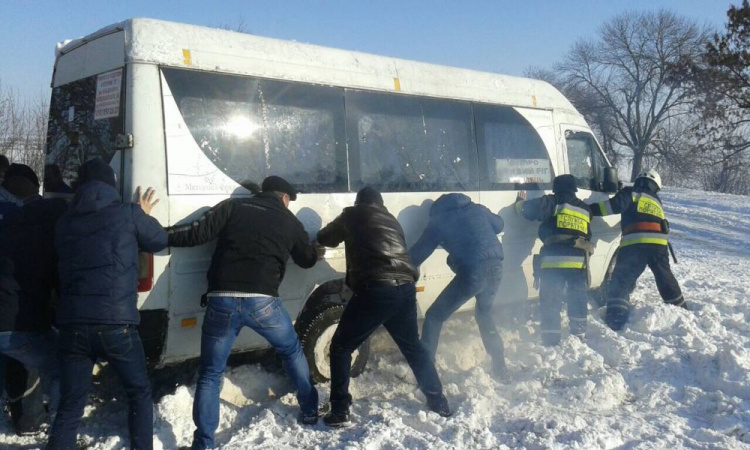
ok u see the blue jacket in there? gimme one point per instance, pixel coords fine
(466, 230)
(97, 243)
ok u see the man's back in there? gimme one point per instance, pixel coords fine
(466, 230)
(97, 242)
(29, 242)
(255, 237)
(375, 244)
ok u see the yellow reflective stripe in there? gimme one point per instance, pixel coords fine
(573, 213)
(562, 265)
(603, 209)
(658, 241)
(519, 205)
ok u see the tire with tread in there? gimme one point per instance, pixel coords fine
(320, 323)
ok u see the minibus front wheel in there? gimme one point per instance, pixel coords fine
(315, 329)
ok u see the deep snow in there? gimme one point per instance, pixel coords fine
(670, 379)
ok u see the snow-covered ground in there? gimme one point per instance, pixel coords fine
(670, 379)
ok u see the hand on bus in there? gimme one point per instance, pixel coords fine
(319, 249)
(146, 200)
(521, 197)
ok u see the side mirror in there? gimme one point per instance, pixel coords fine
(611, 180)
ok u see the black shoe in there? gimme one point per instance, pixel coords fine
(337, 420)
(312, 419)
(439, 405)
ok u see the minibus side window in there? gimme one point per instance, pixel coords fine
(251, 128)
(77, 132)
(585, 160)
(401, 143)
(511, 152)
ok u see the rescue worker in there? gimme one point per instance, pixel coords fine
(644, 243)
(468, 232)
(380, 272)
(562, 265)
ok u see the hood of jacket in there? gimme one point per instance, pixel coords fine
(94, 196)
(449, 202)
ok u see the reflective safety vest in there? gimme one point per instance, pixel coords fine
(569, 217)
(571, 222)
(648, 230)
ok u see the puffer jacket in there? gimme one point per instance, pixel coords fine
(28, 241)
(466, 230)
(97, 243)
(375, 245)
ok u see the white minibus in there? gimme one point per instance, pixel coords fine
(196, 112)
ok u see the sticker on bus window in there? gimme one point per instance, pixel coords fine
(108, 88)
(522, 171)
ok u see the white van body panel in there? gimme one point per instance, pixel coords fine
(167, 157)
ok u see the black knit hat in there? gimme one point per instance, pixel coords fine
(22, 170)
(278, 184)
(369, 196)
(96, 170)
(564, 183)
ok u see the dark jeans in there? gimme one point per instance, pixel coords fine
(631, 262)
(225, 317)
(120, 346)
(481, 282)
(555, 287)
(37, 351)
(394, 307)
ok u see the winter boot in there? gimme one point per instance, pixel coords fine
(616, 315)
(312, 419)
(439, 404)
(337, 420)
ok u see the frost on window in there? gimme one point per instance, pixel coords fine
(411, 144)
(514, 152)
(252, 128)
(585, 161)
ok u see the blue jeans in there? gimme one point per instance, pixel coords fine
(225, 317)
(394, 307)
(119, 345)
(37, 350)
(482, 282)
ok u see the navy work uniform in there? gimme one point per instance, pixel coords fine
(562, 271)
(644, 243)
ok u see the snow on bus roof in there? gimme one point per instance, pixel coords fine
(211, 49)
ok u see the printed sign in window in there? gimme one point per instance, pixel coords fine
(108, 88)
(522, 171)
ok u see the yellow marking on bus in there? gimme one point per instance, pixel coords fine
(397, 84)
(190, 322)
(186, 57)
(420, 288)
(533, 100)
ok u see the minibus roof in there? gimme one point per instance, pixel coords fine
(211, 49)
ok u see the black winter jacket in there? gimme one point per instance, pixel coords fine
(256, 236)
(28, 242)
(466, 230)
(97, 243)
(375, 245)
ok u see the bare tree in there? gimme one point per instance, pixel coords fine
(23, 128)
(626, 71)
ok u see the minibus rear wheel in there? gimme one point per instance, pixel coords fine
(315, 329)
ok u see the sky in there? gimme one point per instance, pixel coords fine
(499, 36)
